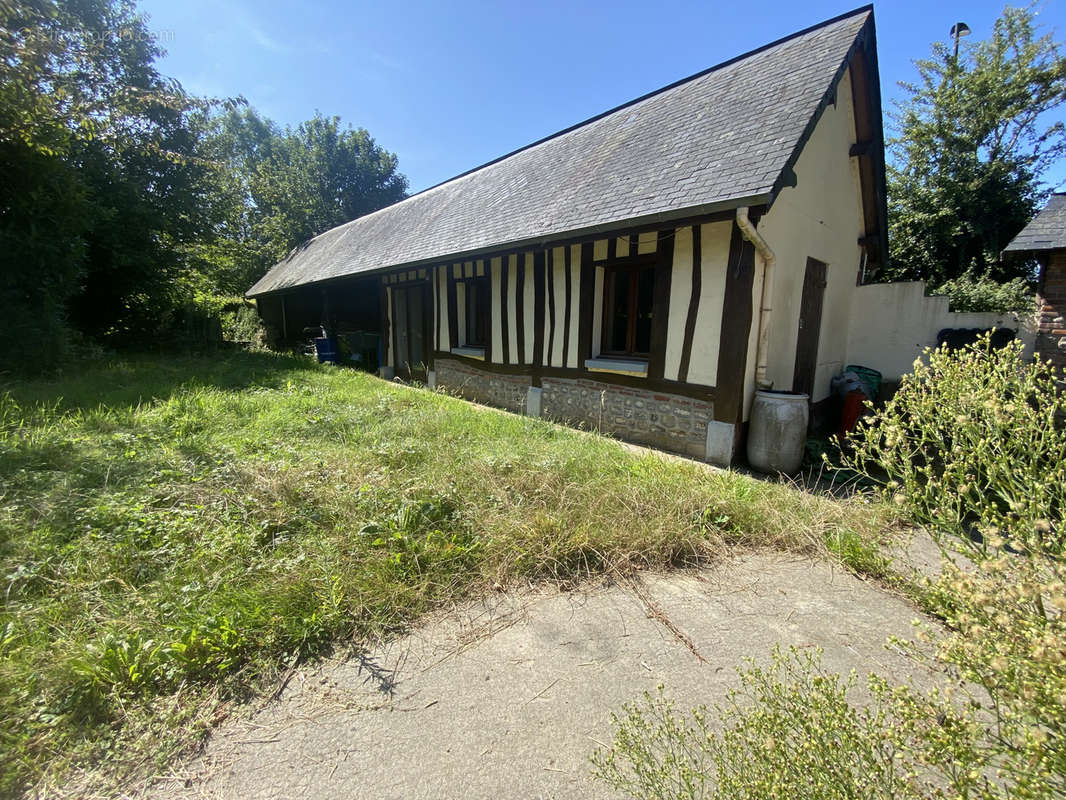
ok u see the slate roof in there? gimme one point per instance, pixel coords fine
(1046, 231)
(718, 140)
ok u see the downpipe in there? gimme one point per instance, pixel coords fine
(747, 230)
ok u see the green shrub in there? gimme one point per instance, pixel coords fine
(1007, 648)
(787, 732)
(967, 293)
(792, 731)
(970, 445)
(241, 323)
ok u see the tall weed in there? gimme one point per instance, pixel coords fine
(972, 444)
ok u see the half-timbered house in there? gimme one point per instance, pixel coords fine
(642, 272)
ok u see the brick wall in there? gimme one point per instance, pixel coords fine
(666, 421)
(490, 388)
(1051, 327)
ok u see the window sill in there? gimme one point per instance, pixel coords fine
(619, 366)
(470, 352)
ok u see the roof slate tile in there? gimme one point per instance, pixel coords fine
(1046, 231)
(718, 138)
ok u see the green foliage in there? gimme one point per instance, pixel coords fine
(1007, 648)
(175, 532)
(418, 534)
(974, 140)
(274, 189)
(792, 731)
(788, 731)
(125, 199)
(241, 323)
(967, 293)
(971, 439)
(105, 189)
(43, 212)
(858, 552)
(317, 176)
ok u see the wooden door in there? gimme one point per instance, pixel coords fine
(410, 321)
(810, 325)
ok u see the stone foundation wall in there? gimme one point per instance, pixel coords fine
(666, 421)
(490, 388)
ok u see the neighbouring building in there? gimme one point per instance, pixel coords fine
(642, 272)
(1044, 239)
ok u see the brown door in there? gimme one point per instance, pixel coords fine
(410, 309)
(810, 325)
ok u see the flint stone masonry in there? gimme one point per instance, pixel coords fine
(490, 388)
(666, 421)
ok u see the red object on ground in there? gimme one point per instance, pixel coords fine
(854, 404)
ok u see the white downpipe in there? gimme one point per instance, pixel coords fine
(765, 308)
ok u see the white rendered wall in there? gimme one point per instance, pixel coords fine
(820, 218)
(892, 323)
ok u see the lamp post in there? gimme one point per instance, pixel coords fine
(958, 30)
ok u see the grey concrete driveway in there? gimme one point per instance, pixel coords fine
(507, 697)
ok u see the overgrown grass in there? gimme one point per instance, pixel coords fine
(175, 533)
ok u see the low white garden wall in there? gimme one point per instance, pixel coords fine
(891, 323)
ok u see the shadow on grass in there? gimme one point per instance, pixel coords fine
(130, 380)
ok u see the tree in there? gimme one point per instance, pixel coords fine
(98, 142)
(320, 175)
(974, 143)
(233, 144)
(274, 188)
(124, 200)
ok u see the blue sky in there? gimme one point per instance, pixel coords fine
(448, 86)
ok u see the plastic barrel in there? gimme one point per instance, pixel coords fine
(326, 350)
(777, 434)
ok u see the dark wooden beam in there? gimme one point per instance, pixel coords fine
(520, 307)
(550, 258)
(861, 148)
(660, 320)
(538, 309)
(505, 337)
(869, 148)
(566, 305)
(736, 327)
(693, 302)
(435, 335)
(453, 309)
(586, 289)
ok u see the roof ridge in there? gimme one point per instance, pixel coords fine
(868, 8)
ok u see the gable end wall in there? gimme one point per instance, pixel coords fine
(821, 217)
